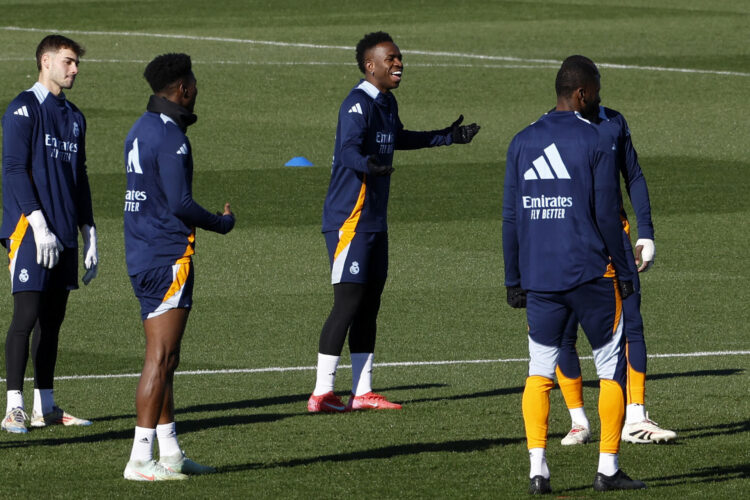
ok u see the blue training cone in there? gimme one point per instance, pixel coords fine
(298, 161)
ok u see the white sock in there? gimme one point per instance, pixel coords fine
(166, 434)
(608, 464)
(635, 413)
(361, 373)
(143, 444)
(578, 417)
(15, 400)
(326, 373)
(44, 401)
(538, 458)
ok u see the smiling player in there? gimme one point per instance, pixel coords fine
(355, 218)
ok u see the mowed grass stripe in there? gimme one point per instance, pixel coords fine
(341, 47)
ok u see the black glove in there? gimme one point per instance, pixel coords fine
(516, 297)
(463, 134)
(377, 169)
(626, 289)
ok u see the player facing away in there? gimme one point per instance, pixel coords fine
(638, 427)
(160, 221)
(563, 245)
(355, 219)
(46, 202)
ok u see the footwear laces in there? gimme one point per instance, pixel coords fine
(374, 395)
(18, 415)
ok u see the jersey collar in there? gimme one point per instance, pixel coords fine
(369, 89)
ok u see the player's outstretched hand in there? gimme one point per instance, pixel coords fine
(228, 219)
(516, 297)
(377, 169)
(645, 251)
(463, 134)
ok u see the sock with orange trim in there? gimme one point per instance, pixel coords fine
(535, 405)
(611, 414)
(572, 391)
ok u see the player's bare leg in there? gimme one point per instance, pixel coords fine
(154, 403)
(154, 400)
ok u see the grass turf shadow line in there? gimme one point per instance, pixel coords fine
(593, 384)
(386, 452)
(483, 394)
(282, 400)
(711, 474)
(741, 427)
(183, 427)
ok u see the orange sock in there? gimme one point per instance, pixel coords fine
(636, 384)
(536, 410)
(611, 414)
(571, 388)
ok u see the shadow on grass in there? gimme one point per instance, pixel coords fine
(741, 427)
(482, 394)
(593, 384)
(711, 474)
(183, 427)
(386, 452)
(282, 400)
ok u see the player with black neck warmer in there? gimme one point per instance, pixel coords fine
(160, 221)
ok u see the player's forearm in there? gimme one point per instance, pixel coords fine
(84, 206)
(16, 179)
(407, 139)
(510, 254)
(639, 198)
(352, 157)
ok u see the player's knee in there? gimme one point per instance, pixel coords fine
(163, 358)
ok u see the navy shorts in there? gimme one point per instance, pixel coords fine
(357, 257)
(28, 276)
(164, 288)
(597, 306)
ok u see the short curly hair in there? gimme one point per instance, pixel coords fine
(369, 41)
(168, 69)
(575, 71)
(53, 43)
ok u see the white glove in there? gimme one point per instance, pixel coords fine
(90, 253)
(648, 252)
(48, 248)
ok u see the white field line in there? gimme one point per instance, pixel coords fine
(703, 354)
(31, 61)
(136, 34)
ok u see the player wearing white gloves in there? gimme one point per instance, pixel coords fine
(638, 427)
(46, 202)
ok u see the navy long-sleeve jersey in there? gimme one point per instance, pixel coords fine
(44, 164)
(561, 206)
(613, 124)
(160, 213)
(368, 124)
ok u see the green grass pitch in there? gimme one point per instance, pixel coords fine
(677, 69)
